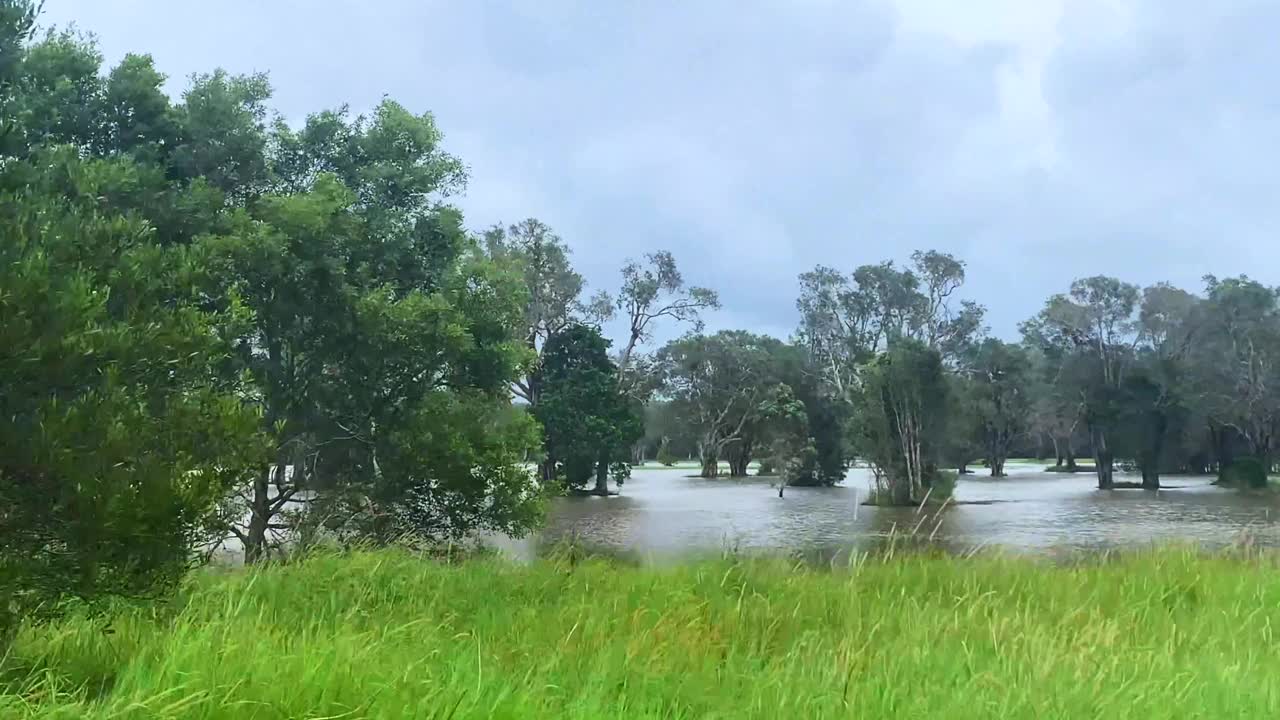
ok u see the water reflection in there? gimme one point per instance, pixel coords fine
(664, 514)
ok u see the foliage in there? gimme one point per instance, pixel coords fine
(371, 331)
(119, 430)
(649, 293)
(902, 420)
(815, 447)
(1001, 398)
(1094, 331)
(1245, 472)
(665, 457)
(1239, 356)
(551, 284)
(724, 385)
(374, 309)
(846, 321)
(590, 422)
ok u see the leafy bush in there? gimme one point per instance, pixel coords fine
(665, 456)
(1245, 472)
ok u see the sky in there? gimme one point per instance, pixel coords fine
(1037, 140)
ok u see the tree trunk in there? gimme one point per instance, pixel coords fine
(255, 537)
(1071, 457)
(1221, 439)
(602, 478)
(710, 464)
(997, 467)
(1057, 452)
(1102, 460)
(1150, 477)
(1151, 457)
(739, 459)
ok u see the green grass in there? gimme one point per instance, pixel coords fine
(1161, 634)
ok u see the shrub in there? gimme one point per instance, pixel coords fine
(1245, 472)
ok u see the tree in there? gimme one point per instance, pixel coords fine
(1094, 331)
(119, 432)
(1157, 389)
(902, 420)
(847, 326)
(1001, 398)
(814, 449)
(552, 286)
(1056, 406)
(948, 330)
(1238, 364)
(590, 422)
(648, 294)
(846, 322)
(965, 438)
(224, 139)
(721, 384)
(372, 303)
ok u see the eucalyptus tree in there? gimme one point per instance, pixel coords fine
(722, 385)
(847, 322)
(552, 286)
(902, 421)
(1001, 397)
(648, 294)
(1238, 365)
(1158, 391)
(1094, 331)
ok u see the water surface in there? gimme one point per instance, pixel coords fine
(663, 513)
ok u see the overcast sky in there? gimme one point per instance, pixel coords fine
(1038, 140)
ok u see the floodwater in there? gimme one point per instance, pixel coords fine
(662, 513)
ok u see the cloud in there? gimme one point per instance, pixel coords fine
(1038, 141)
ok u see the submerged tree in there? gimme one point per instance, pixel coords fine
(1157, 391)
(901, 422)
(1001, 398)
(590, 422)
(1094, 331)
(849, 323)
(723, 385)
(1237, 367)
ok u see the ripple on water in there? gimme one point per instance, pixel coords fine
(664, 513)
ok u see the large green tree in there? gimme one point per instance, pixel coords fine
(1236, 366)
(1094, 331)
(123, 422)
(591, 423)
(848, 324)
(378, 342)
(372, 304)
(726, 386)
(120, 429)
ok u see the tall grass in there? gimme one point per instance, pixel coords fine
(1162, 634)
